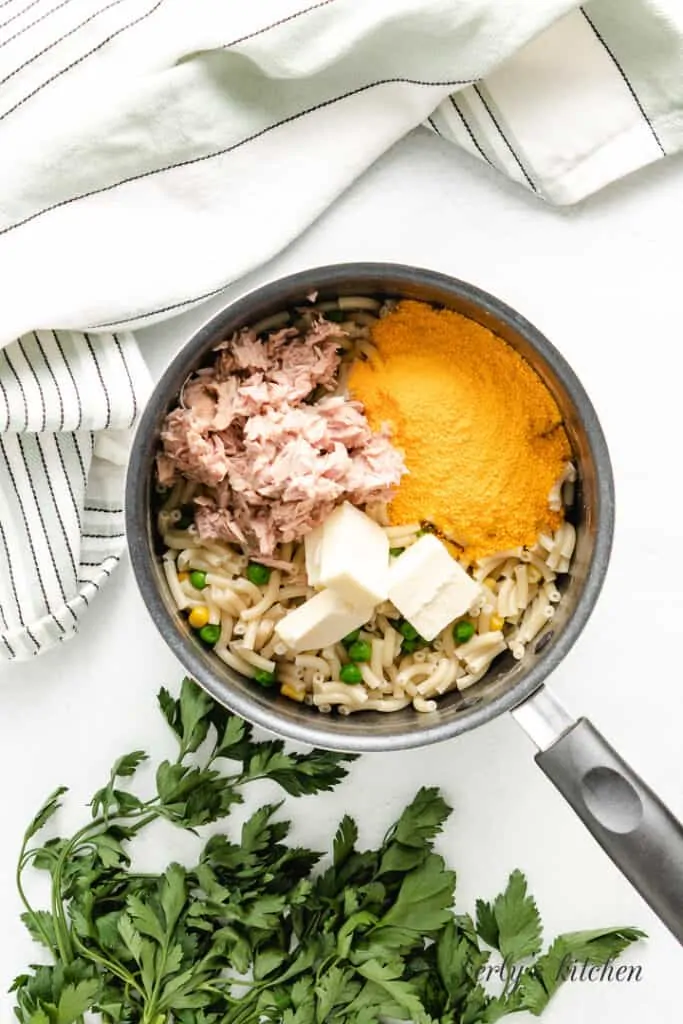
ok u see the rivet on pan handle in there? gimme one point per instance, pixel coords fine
(627, 818)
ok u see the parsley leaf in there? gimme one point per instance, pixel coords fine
(539, 982)
(345, 840)
(109, 800)
(422, 907)
(298, 774)
(515, 918)
(487, 925)
(422, 819)
(75, 1000)
(41, 928)
(43, 815)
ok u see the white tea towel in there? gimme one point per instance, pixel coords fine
(136, 132)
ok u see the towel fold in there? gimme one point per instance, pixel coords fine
(140, 131)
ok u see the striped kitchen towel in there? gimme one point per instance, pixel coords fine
(69, 403)
(137, 133)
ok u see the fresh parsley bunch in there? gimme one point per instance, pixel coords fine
(252, 933)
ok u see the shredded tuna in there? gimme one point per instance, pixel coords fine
(273, 464)
(196, 453)
(217, 524)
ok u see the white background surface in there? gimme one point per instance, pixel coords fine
(603, 281)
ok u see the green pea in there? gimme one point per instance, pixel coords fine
(360, 651)
(198, 579)
(463, 631)
(186, 517)
(351, 638)
(264, 678)
(210, 634)
(258, 574)
(350, 674)
(408, 646)
(408, 631)
(395, 552)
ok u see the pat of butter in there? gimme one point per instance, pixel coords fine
(349, 554)
(429, 588)
(313, 549)
(321, 621)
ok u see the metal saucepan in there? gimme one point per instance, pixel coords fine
(629, 821)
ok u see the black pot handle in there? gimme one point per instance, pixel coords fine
(627, 818)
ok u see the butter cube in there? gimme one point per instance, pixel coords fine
(313, 550)
(429, 588)
(322, 620)
(349, 554)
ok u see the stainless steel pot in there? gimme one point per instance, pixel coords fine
(623, 814)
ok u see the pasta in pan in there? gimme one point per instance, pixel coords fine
(521, 597)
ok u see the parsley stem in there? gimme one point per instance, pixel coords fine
(245, 1006)
(508, 979)
(29, 909)
(80, 838)
(111, 965)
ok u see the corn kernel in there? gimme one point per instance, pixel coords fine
(182, 576)
(496, 622)
(491, 584)
(288, 691)
(199, 616)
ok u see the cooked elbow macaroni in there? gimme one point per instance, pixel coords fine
(521, 596)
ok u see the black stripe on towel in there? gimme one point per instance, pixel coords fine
(229, 149)
(58, 513)
(39, 511)
(48, 365)
(79, 60)
(276, 24)
(470, 131)
(67, 478)
(504, 137)
(29, 538)
(79, 456)
(163, 309)
(5, 626)
(19, 14)
(29, 26)
(19, 385)
(13, 584)
(5, 399)
(626, 81)
(119, 349)
(37, 381)
(101, 378)
(98, 508)
(46, 49)
(71, 375)
(434, 126)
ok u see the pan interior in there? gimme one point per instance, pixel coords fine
(508, 681)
